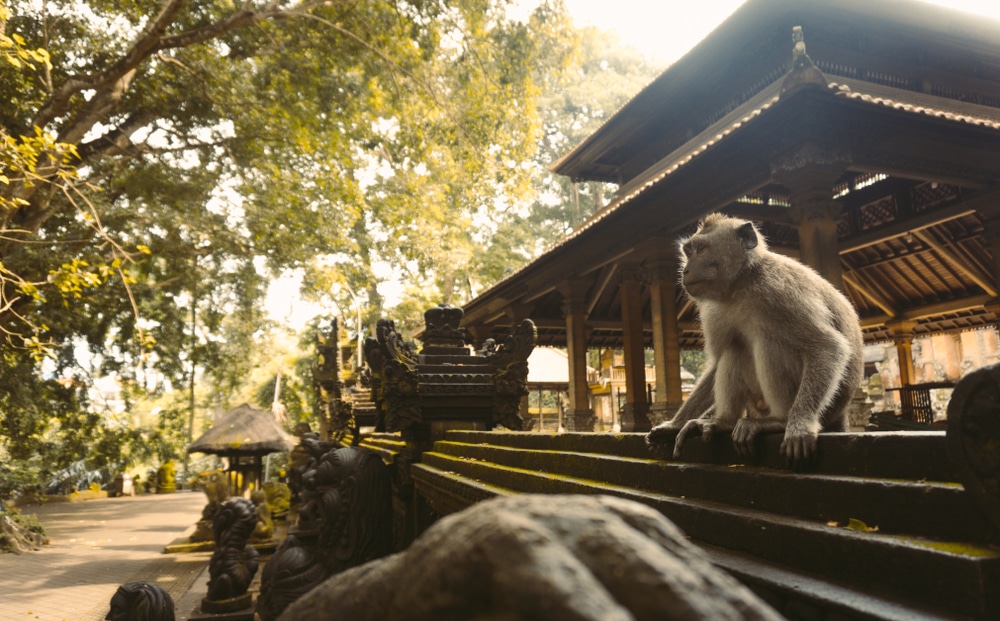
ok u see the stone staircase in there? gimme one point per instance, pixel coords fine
(877, 529)
(365, 411)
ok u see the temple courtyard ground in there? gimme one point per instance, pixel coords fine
(96, 546)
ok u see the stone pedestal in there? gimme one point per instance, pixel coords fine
(635, 417)
(579, 420)
(661, 412)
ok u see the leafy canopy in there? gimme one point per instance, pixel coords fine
(160, 160)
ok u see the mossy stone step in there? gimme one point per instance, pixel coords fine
(951, 575)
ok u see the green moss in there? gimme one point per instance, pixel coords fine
(953, 547)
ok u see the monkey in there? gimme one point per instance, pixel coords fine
(784, 346)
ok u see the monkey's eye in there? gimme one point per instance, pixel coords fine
(692, 248)
(686, 249)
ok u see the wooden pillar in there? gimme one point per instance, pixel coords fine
(902, 336)
(818, 244)
(635, 415)
(661, 276)
(580, 416)
(810, 174)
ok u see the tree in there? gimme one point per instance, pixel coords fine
(161, 159)
(583, 84)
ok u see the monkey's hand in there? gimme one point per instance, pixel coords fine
(744, 434)
(663, 433)
(659, 438)
(798, 447)
(704, 426)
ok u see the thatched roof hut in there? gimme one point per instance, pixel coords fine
(243, 436)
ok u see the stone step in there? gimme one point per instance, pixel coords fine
(387, 445)
(919, 508)
(907, 455)
(458, 383)
(802, 595)
(455, 369)
(794, 593)
(453, 360)
(764, 512)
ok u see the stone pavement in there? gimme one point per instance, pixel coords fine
(96, 546)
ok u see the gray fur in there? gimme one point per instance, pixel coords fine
(785, 350)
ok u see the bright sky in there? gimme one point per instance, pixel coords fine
(666, 29)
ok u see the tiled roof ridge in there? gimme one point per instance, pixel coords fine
(843, 90)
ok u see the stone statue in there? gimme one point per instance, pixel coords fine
(973, 436)
(345, 519)
(302, 457)
(264, 529)
(540, 557)
(234, 561)
(328, 387)
(140, 601)
(215, 484)
(278, 498)
(166, 478)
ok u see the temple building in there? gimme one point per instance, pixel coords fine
(863, 138)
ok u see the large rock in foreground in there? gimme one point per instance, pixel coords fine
(539, 557)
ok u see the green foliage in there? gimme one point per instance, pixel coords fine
(160, 161)
(694, 361)
(586, 76)
(19, 531)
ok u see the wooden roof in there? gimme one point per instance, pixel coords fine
(906, 44)
(907, 108)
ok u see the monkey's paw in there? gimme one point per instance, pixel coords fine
(704, 426)
(799, 448)
(660, 439)
(744, 434)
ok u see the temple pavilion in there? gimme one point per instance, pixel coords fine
(862, 136)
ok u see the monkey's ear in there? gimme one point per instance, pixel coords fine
(748, 235)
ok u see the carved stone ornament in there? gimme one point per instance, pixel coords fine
(234, 561)
(328, 387)
(345, 519)
(540, 557)
(141, 601)
(973, 437)
(510, 373)
(374, 370)
(441, 328)
(215, 484)
(419, 389)
(400, 379)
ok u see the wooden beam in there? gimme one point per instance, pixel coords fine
(855, 280)
(904, 227)
(602, 285)
(946, 253)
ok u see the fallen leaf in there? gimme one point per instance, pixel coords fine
(858, 525)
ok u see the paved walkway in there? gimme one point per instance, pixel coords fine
(96, 546)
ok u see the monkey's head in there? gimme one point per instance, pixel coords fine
(719, 252)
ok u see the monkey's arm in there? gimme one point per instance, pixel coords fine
(823, 368)
(699, 403)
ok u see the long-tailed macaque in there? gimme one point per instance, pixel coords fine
(784, 347)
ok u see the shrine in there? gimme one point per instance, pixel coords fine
(244, 435)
